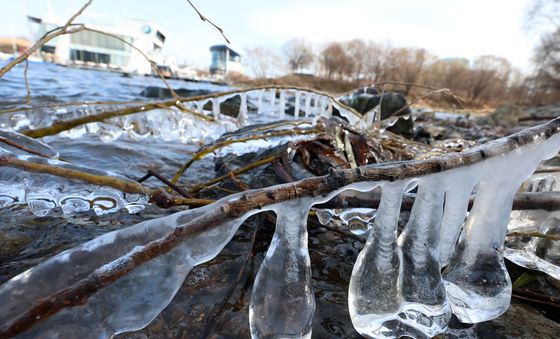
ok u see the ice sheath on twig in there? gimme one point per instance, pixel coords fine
(118, 272)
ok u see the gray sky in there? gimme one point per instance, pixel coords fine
(448, 28)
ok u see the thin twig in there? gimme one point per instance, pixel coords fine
(244, 169)
(28, 99)
(554, 237)
(203, 18)
(207, 149)
(24, 148)
(176, 188)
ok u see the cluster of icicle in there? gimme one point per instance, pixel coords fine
(44, 192)
(172, 124)
(443, 262)
(539, 254)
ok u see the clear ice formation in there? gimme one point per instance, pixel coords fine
(282, 303)
(44, 192)
(133, 301)
(536, 253)
(357, 220)
(396, 287)
(171, 124)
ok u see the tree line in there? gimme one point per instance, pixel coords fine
(488, 79)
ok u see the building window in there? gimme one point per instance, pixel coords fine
(98, 40)
(160, 36)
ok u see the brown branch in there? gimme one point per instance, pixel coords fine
(244, 169)
(69, 27)
(203, 18)
(207, 149)
(71, 173)
(554, 237)
(237, 205)
(23, 147)
(61, 126)
(171, 185)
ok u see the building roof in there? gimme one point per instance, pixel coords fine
(224, 47)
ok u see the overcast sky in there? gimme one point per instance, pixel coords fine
(448, 28)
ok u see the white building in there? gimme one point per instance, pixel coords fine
(96, 50)
(225, 60)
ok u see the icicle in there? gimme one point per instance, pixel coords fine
(374, 297)
(297, 104)
(476, 280)
(242, 117)
(455, 212)
(308, 97)
(425, 310)
(272, 100)
(282, 104)
(216, 108)
(282, 302)
(260, 106)
(329, 109)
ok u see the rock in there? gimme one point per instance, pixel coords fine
(506, 115)
(156, 92)
(520, 321)
(392, 102)
(403, 126)
(230, 107)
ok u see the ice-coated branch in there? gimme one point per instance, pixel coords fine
(65, 125)
(207, 149)
(238, 205)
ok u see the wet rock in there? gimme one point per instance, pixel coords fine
(230, 107)
(391, 103)
(520, 321)
(403, 126)
(11, 242)
(155, 92)
(506, 115)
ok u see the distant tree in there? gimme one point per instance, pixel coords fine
(546, 81)
(488, 79)
(335, 61)
(298, 54)
(262, 61)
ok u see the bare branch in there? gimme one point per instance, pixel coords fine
(203, 18)
(69, 27)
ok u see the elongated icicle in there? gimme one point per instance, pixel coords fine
(424, 311)
(476, 280)
(282, 302)
(374, 297)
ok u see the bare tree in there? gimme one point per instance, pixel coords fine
(298, 54)
(262, 61)
(488, 79)
(335, 61)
